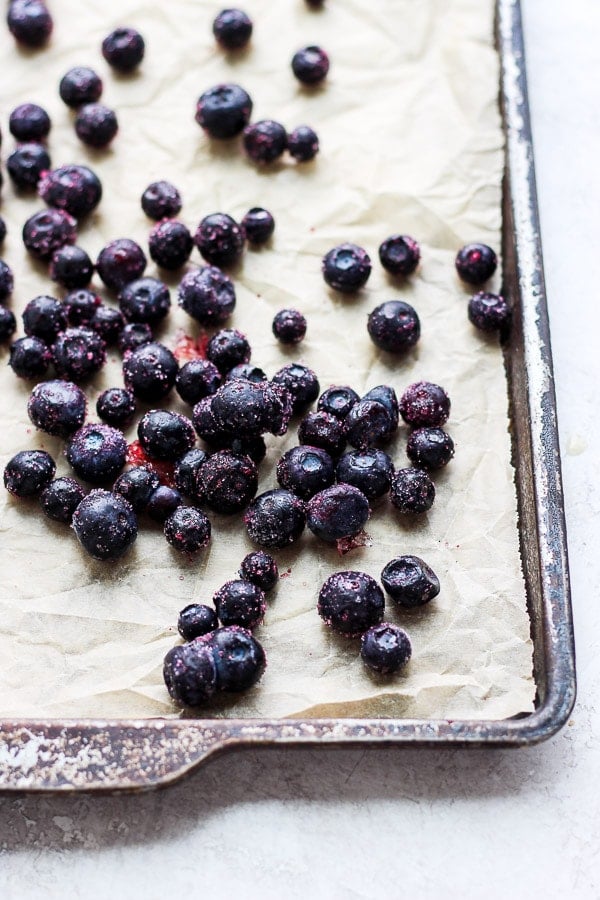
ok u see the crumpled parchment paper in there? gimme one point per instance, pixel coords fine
(411, 142)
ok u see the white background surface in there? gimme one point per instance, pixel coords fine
(421, 824)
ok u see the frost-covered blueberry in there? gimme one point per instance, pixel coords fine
(305, 471)
(412, 490)
(400, 254)
(47, 230)
(145, 300)
(30, 357)
(301, 382)
(96, 125)
(303, 143)
(258, 225)
(247, 372)
(162, 503)
(44, 317)
(351, 602)
(370, 471)
(187, 529)
(26, 164)
(228, 348)
(424, 404)
(239, 658)
(57, 407)
(76, 189)
(310, 65)
(241, 603)
(368, 423)
(385, 648)
(29, 122)
(337, 401)
(28, 473)
(227, 481)
(108, 323)
(265, 141)
(150, 371)
(137, 485)
(346, 268)
(321, 429)
(80, 85)
(8, 324)
(190, 674)
(161, 200)
(207, 295)
(60, 499)
(488, 312)
(165, 435)
(78, 353)
(116, 407)
(170, 244)
(80, 306)
(195, 620)
(430, 448)
(29, 22)
(247, 409)
(289, 326)
(232, 28)
(219, 239)
(197, 379)
(105, 525)
(120, 262)
(71, 267)
(133, 335)
(97, 453)
(386, 395)
(261, 569)
(224, 111)
(410, 582)
(475, 263)
(186, 471)
(275, 519)
(205, 423)
(394, 326)
(338, 511)
(123, 49)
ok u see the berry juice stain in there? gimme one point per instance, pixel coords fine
(187, 347)
(136, 456)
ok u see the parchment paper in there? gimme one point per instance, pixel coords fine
(411, 142)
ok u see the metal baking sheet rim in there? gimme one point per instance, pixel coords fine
(103, 756)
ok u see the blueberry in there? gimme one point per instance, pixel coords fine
(170, 244)
(258, 225)
(60, 499)
(265, 141)
(30, 357)
(30, 22)
(301, 382)
(410, 582)
(430, 448)
(120, 262)
(370, 471)
(261, 569)
(162, 503)
(394, 326)
(123, 49)
(44, 317)
(412, 491)
(289, 326)
(26, 164)
(351, 603)
(223, 111)
(116, 406)
(219, 239)
(97, 453)
(145, 300)
(246, 372)
(80, 306)
(337, 512)
(150, 371)
(386, 395)
(227, 481)
(275, 519)
(187, 529)
(105, 525)
(161, 200)
(8, 324)
(108, 323)
(165, 435)
(137, 485)
(400, 254)
(489, 312)
(240, 603)
(186, 473)
(247, 408)
(424, 404)
(207, 295)
(204, 421)
(337, 401)
(76, 189)
(305, 471)
(198, 378)
(232, 28)
(310, 65)
(78, 353)
(385, 648)
(196, 620)
(28, 473)
(321, 429)
(57, 407)
(368, 423)
(239, 658)
(475, 263)
(303, 143)
(47, 230)
(190, 674)
(71, 267)
(96, 125)
(254, 447)
(346, 268)
(228, 348)
(133, 335)
(29, 122)
(79, 86)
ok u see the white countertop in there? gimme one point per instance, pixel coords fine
(386, 824)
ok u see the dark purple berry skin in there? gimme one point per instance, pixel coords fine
(305, 471)
(29, 122)
(145, 300)
(394, 326)
(240, 603)
(197, 379)
(207, 295)
(57, 407)
(219, 239)
(489, 312)
(46, 231)
(123, 49)
(105, 525)
(412, 491)
(29, 22)
(350, 603)
(28, 473)
(370, 471)
(385, 648)
(26, 164)
(204, 421)
(337, 401)
(80, 306)
(410, 582)
(339, 511)
(162, 503)
(186, 472)
(254, 447)
(321, 429)
(346, 268)
(386, 395)
(247, 409)
(150, 371)
(116, 407)
(228, 348)
(170, 244)
(227, 482)
(8, 324)
(430, 448)
(190, 674)
(187, 530)
(97, 453)
(108, 323)
(275, 519)
(60, 499)
(232, 29)
(289, 326)
(165, 435)
(44, 317)
(76, 189)
(96, 125)
(224, 111)
(303, 143)
(368, 423)
(301, 382)
(239, 658)
(78, 353)
(424, 404)
(196, 620)
(71, 267)
(265, 141)
(261, 569)
(310, 65)
(30, 357)
(258, 225)
(161, 200)
(137, 485)
(475, 263)
(246, 372)
(79, 86)
(133, 335)
(400, 254)
(2, 230)
(120, 262)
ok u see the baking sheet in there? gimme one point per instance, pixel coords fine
(422, 154)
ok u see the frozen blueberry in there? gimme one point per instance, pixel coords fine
(224, 111)
(116, 406)
(232, 28)
(150, 371)
(338, 511)
(187, 529)
(97, 452)
(337, 401)
(78, 353)
(44, 317)
(145, 300)
(120, 262)
(30, 22)
(275, 519)
(228, 348)
(475, 263)
(301, 382)
(246, 372)
(165, 435)
(412, 491)
(76, 189)
(28, 473)
(394, 326)
(321, 429)
(424, 404)
(26, 164)
(368, 423)
(190, 674)
(239, 658)
(310, 65)
(80, 306)
(186, 472)
(133, 335)
(108, 323)
(305, 471)
(45, 231)
(410, 581)
(79, 86)
(96, 125)
(161, 200)
(196, 620)
(258, 225)
(204, 421)
(265, 141)
(386, 395)
(60, 499)
(346, 268)
(198, 378)
(137, 485)
(227, 481)
(8, 324)
(248, 409)
(57, 407)
(289, 326)
(105, 525)
(303, 143)
(351, 603)
(162, 503)
(29, 122)
(123, 49)
(400, 254)
(385, 648)
(240, 603)
(370, 471)
(261, 569)
(71, 267)
(30, 357)
(170, 244)
(219, 239)
(207, 295)
(489, 312)
(430, 448)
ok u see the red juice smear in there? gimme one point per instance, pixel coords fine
(136, 456)
(187, 347)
